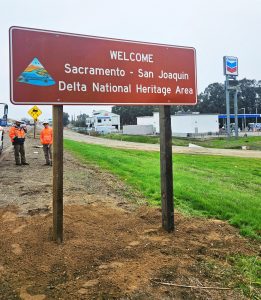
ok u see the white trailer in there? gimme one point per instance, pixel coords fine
(185, 124)
(138, 129)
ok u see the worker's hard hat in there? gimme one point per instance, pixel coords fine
(18, 121)
(45, 122)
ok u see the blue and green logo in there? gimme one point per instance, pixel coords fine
(36, 74)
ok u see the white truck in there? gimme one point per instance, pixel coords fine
(3, 123)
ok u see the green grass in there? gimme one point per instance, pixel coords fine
(134, 138)
(253, 142)
(239, 272)
(227, 188)
(250, 269)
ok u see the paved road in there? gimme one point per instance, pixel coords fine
(68, 134)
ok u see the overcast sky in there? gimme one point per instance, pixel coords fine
(215, 28)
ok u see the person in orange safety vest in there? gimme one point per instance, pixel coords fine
(17, 135)
(46, 137)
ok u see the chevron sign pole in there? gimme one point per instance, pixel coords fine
(230, 65)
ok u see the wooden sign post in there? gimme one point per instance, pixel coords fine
(58, 173)
(35, 120)
(166, 169)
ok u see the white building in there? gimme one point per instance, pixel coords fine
(185, 124)
(103, 121)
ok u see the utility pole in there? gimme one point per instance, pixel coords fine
(236, 113)
(256, 104)
(244, 119)
(227, 107)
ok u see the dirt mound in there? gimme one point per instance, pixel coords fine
(111, 253)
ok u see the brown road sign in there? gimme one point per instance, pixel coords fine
(48, 67)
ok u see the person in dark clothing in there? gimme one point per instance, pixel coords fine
(17, 136)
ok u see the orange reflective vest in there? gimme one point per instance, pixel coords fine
(17, 134)
(46, 136)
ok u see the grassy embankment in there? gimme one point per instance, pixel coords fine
(227, 188)
(253, 142)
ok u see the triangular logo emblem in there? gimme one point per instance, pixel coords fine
(36, 74)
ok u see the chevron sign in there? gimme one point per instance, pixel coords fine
(230, 65)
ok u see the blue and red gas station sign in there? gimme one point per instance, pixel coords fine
(230, 65)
